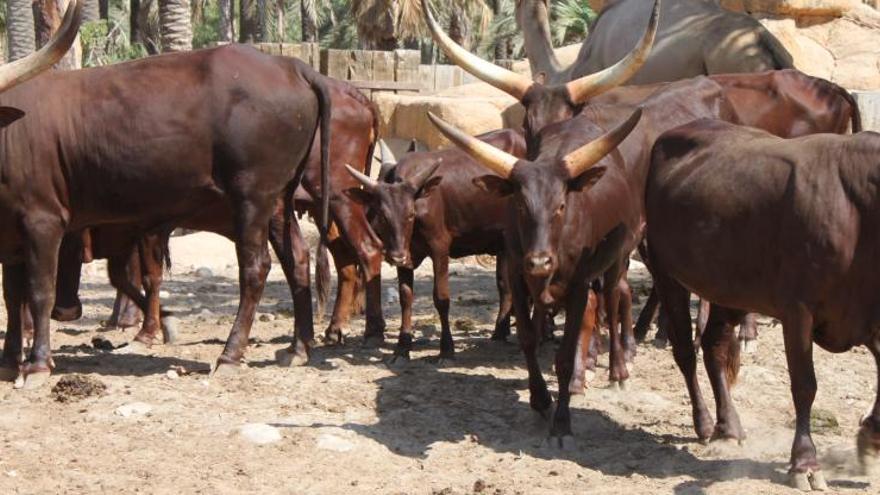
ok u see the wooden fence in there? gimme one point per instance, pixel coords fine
(398, 71)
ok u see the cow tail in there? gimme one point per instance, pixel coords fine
(856, 115)
(322, 280)
(731, 372)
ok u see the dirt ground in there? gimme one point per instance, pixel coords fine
(351, 424)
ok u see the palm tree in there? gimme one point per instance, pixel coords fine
(175, 25)
(47, 19)
(309, 18)
(91, 11)
(249, 29)
(19, 28)
(225, 25)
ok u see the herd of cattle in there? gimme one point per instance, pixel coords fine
(744, 188)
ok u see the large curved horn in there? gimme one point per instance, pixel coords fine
(368, 182)
(580, 90)
(25, 68)
(386, 154)
(503, 79)
(581, 159)
(487, 155)
(418, 180)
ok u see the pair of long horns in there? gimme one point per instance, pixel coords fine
(579, 90)
(501, 162)
(25, 68)
(416, 181)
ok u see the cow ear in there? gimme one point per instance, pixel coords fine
(359, 195)
(429, 186)
(9, 115)
(586, 179)
(494, 185)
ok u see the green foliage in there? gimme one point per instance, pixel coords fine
(205, 31)
(570, 21)
(106, 42)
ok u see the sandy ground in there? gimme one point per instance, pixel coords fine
(351, 424)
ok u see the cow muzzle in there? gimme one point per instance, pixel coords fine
(540, 264)
(400, 260)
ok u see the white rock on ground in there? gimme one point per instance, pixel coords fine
(327, 441)
(260, 433)
(133, 409)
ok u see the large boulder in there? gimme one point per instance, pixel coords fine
(793, 8)
(843, 50)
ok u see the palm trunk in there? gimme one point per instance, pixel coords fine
(19, 28)
(47, 19)
(459, 28)
(501, 47)
(104, 9)
(175, 24)
(279, 21)
(248, 21)
(91, 11)
(309, 24)
(227, 33)
(532, 17)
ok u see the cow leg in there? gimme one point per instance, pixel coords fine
(675, 309)
(293, 253)
(502, 321)
(405, 289)
(748, 334)
(868, 440)
(374, 332)
(13, 295)
(703, 312)
(441, 302)
(527, 334)
(41, 264)
(151, 251)
(127, 312)
(345, 261)
(575, 307)
(646, 316)
(616, 360)
(586, 340)
(251, 249)
(68, 307)
(797, 329)
(626, 320)
(721, 358)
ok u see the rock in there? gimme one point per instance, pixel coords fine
(793, 8)
(465, 325)
(72, 388)
(391, 296)
(260, 433)
(171, 375)
(267, 317)
(133, 409)
(164, 294)
(203, 272)
(869, 105)
(334, 443)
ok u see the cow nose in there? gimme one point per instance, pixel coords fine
(539, 264)
(399, 259)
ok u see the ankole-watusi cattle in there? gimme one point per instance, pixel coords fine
(351, 240)
(696, 37)
(155, 143)
(573, 214)
(787, 228)
(426, 206)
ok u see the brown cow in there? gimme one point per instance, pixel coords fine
(569, 221)
(788, 229)
(425, 208)
(170, 137)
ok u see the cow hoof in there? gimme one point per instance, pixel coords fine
(170, 329)
(808, 481)
(8, 374)
(334, 338)
(565, 443)
(748, 346)
(286, 359)
(32, 380)
(66, 314)
(577, 387)
(374, 341)
(399, 359)
(225, 369)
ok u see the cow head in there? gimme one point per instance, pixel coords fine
(392, 205)
(546, 104)
(539, 190)
(25, 68)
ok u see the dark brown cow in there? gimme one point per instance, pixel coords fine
(428, 207)
(153, 143)
(573, 215)
(353, 244)
(788, 229)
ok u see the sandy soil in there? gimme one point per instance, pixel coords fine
(352, 424)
